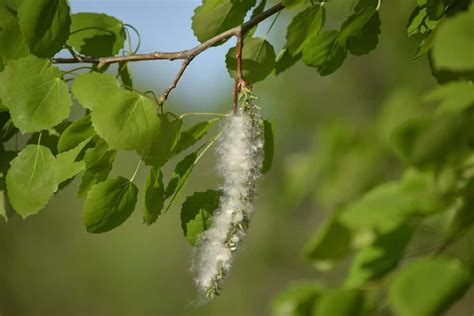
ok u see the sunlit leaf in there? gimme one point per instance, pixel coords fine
(35, 94)
(452, 48)
(216, 16)
(66, 162)
(99, 160)
(304, 25)
(76, 133)
(128, 121)
(94, 89)
(31, 180)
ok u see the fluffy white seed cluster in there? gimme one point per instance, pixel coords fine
(240, 153)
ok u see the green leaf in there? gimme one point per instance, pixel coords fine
(381, 257)
(76, 133)
(435, 283)
(367, 38)
(400, 106)
(95, 89)
(109, 204)
(435, 9)
(341, 302)
(49, 138)
(293, 3)
(67, 165)
(452, 47)
(389, 205)
(268, 146)
(258, 59)
(159, 149)
(354, 25)
(125, 75)
(180, 177)
(31, 180)
(97, 35)
(304, 25)
(419, 22)
(35, 94)
(129, 121)
(348, 160)
(196, 213)
(298, 299)
(216, 16)
(428, 142)
(443, 76)
(454, 97)
(12, 43)
(45, 25)
(154, 196)
(192, 135)
(99, 160)
(323, 52)
(329, 244)
(285, 60)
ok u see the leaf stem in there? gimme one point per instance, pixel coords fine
(203, 114)
(136, 171)
(39, 138)
(209, 145)
(75, 69)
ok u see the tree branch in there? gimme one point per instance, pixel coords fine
(184, 54)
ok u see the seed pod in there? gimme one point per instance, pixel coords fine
(240, 155)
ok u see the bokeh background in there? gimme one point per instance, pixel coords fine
(49, 265)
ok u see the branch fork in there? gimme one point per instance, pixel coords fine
(186, 55)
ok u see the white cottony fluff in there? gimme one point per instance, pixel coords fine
(240, 152)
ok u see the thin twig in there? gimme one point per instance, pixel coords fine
(167, 91)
